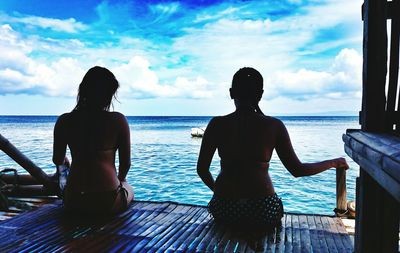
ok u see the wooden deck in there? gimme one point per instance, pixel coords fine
(33, 202)
(161, 227)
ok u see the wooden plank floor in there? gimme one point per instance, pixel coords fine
(161, 227)
(32, 202)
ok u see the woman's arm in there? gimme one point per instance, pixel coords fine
(124, 149)
(207, 151)
(292, 163)
(60, 142)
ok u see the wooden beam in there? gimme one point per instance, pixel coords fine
(390, 224)
(393, 117)
(393, 9)
(377, 213)
(371, 196)
(380, 176)
(26, 163)
(393, 70)
(21, 179)
(368, 215)
(374, 65)
(357, 228)
(341, 193)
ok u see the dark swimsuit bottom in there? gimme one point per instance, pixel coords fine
(261, 213)
(250, 212)
(94, 202)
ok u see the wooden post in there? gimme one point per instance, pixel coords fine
(372, 214)
(358, 220)
(341, 192)
(390, 224)
(26, 163)
(393, 73)
(368, 218)
(377, 219)
(374, 66)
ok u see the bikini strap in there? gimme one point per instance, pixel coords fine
(124, 191)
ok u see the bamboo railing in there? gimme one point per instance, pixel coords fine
(36, 172)
(341, 191)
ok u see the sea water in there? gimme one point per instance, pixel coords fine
(164, 157)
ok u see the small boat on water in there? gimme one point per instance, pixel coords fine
(197, 131)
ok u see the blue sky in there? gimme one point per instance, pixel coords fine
(178, 57)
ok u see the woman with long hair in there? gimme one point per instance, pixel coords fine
(244, 195)
(94, 135)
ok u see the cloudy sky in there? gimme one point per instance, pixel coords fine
(178, 57)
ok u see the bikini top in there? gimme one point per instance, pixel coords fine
(241, 138)
(90, 147)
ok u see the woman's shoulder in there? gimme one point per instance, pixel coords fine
(226, 117)
(214, 123)
(117, 117)
(270, 121)
(64, 117)
(218, 120)
(63, 122)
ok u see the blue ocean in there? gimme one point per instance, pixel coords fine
(164, 157)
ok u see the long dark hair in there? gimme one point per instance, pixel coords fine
(97, 89)
(247, 84)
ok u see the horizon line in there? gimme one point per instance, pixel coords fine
(273, 115)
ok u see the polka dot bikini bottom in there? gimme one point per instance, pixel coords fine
(260, 213)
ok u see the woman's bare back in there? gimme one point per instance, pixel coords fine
(93, 141)
(245, 142)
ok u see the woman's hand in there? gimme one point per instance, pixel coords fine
(340, 163)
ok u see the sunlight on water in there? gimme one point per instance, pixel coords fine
(164, 158)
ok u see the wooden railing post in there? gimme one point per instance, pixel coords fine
(25, 163)
(341, 192)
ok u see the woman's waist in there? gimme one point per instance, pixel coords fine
(247, 166)
(245, 194)
(74, 187)
(92, 180)
(94, 162)
(273, 195)
(100, 168)
(243, 187)
(244, 174)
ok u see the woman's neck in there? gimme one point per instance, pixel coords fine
(245, 106)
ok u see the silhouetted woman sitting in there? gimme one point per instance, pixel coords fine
(94, 135)
(244, 196)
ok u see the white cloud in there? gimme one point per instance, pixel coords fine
(166, 8)
(69, 25)
(139, 81)
(275, 48)
(230, 40)
(21, 73)
(215, 52)
(206, 17)
(343, 79)
(66, 25)
(13, 50)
